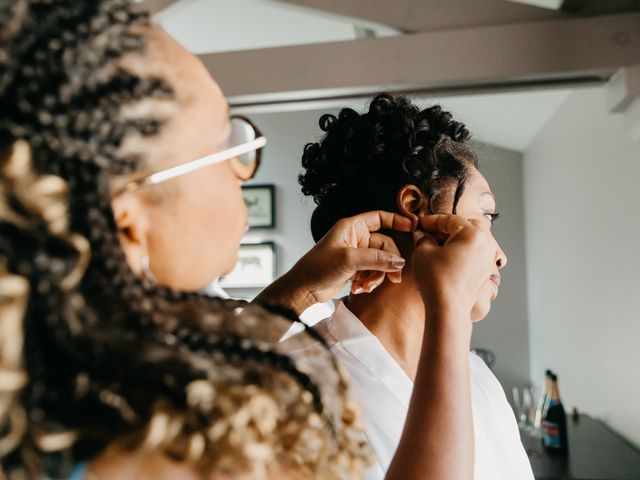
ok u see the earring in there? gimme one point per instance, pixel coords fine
(146, 271)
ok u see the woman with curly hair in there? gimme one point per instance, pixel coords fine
(417, 163)
(107, 362)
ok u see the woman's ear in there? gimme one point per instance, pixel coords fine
(133, 229)
(411, 202)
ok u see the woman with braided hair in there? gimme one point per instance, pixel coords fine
(186, 379)
(105, 229)
(421, 164)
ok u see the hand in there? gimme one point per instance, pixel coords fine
(353, 250)
(349, 249)
(452, 271)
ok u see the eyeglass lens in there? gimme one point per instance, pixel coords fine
(243, 132)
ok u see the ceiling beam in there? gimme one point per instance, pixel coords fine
(538, 53)
(432, 15)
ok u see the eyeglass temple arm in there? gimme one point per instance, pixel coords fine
(172, 172)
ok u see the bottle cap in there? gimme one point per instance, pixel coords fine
(554, 377)
(548, 372)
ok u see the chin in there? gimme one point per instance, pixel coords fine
(233, 259)
(480, 311)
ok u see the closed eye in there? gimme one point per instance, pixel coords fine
(492, 216)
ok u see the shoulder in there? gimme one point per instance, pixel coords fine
(485, 382)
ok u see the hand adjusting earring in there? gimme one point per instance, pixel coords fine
(146, 271)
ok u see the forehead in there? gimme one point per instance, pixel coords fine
(187, 75)
(194, 120)
(477, 189)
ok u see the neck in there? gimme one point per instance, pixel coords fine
(395, 314)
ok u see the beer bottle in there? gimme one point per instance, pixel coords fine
(554, 422)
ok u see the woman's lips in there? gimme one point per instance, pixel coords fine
(495, 281)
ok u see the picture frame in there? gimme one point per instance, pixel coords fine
(260, 203)
(255, 268)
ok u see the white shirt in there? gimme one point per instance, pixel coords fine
(384, 390)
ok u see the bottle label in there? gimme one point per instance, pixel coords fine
(550, 434)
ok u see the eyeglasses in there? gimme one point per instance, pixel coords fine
(244, 153)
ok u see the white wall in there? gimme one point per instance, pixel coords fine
(505, 330)
(582, 211)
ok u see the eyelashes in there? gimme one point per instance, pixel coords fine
(492, 216)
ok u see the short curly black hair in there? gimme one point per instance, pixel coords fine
(364, 159)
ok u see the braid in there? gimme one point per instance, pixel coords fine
(237, 350)
(108, 358)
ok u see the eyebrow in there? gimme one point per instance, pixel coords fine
(489, 193)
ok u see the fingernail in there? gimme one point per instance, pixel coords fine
(398, 262)
(358, 291)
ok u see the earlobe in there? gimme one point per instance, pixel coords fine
(123, 216)
(411, 202)
(131, 229)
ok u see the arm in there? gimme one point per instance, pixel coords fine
(437, 442)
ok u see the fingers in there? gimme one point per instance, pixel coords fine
(386, 243)
(374, 264)
(446, 229)
(380, 219)
(366, 282)
(374, 259)
(444, 223)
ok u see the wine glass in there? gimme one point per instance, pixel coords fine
(524, 407)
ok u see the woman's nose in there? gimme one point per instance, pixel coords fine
(501, 258)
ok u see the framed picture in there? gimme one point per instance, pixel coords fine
(256, 267)
(260, 202)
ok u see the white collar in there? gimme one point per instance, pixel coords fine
(356, 339)
(214, 289)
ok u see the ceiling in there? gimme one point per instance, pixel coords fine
(509, 120)
(208, 26)
(205, 26)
